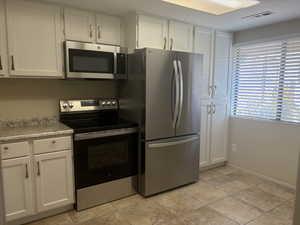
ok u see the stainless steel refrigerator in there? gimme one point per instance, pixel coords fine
(297, 206)
(162, 94)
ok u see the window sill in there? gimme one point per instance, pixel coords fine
(265, 121)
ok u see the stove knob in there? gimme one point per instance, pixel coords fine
(108, 103)
(65, 105)
(103, 103)
(71, 105)
(114, 103)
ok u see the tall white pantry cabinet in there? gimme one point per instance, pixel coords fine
(216, 49)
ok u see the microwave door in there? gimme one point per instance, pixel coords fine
(90, 61)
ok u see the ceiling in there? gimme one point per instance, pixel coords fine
(283, 10)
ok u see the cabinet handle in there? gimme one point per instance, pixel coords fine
(1, 67)
(172, 42)
(26, 171)
(214, 108)
(165, 43)
(12, 63)
(91, 31)
(99, 32)
(38, 168)
(214, 88)
(209, 109)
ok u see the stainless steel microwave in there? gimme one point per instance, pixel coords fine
(94, 61)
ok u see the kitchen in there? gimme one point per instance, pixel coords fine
(68, 142)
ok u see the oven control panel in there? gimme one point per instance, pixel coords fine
(88, 105)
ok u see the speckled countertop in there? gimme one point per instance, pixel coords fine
(16, 130)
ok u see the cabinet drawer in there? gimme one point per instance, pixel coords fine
(52, 145)
(15, 150)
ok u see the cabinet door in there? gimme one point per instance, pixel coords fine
(181, 36)
(152, 32)
(219, 130)
(3, 53)
(203, 44)
(108, 29)
(35, 39)
(223, 42)
(17, 185)
(55, 184)
(79, 25)
(205, 135)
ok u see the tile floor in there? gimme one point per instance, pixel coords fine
(223, 196)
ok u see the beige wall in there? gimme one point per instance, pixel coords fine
(28, 98)
(268, 148)
(267, 32)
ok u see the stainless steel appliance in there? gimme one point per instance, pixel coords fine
(2, 209)
(94, 61)
(105, 151)
(162, 96)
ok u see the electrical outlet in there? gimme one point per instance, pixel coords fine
(234, 147)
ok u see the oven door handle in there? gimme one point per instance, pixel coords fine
(103, 134)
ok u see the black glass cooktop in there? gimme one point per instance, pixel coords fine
(90, 122)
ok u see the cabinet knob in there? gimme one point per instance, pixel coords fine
(53, 142)
(5, 148)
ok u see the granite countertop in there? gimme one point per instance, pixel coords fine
(12, 131)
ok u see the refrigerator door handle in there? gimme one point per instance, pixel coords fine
(181, 92)
(167, 144)
(176, 111)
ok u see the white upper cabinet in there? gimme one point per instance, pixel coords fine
(54, 180)
(152, 32)
(108, 29)
(219, 129)
(223, 43)
(35, 37)
(86, 26)
(180, 36)
(203, 44)
(79, 25)
(3, 53)
(17, 185)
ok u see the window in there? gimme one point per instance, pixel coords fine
(266, 81)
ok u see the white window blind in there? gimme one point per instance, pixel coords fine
(266, 81)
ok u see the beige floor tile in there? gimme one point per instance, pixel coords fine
(128, 202)
(88, 214)
(180, 205)
(246, 178)
(269, 220)
(221, 180)
(226, 170)
(284, 212)
(234, 187)
(207, 216)
(278, 190)
(147, 213)
(108, 219)
(236, 210)
(260, 199)
(61, 219)
(205, 192)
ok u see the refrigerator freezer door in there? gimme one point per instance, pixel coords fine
(170, 163)
(190, 69)
(160, 94)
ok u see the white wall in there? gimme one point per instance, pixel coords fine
(28, 98)
(267, 32)
(267, 148)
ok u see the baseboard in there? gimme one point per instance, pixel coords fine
(205, 168)
(263, 176)
(41, 215)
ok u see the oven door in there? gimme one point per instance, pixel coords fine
(91, 61)
(103, 159)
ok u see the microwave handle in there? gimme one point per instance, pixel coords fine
(115, 62)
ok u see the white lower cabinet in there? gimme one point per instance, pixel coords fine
(18, 187)
(214, 131)
(37, 182)
(54, 182)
